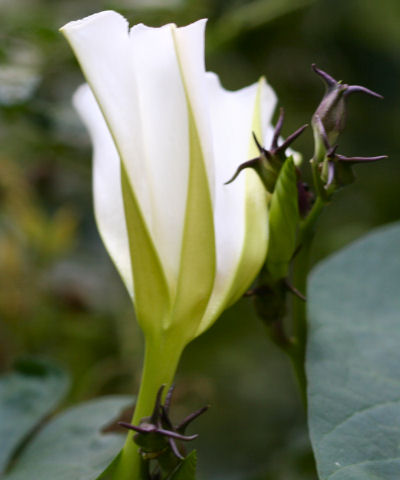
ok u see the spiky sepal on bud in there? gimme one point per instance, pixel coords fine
(161, 441)
(336, 170)
(269, 163)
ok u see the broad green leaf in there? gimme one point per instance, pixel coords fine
(283, 221)
(27, 394)
(353, 360)
(187, 469)
(73, 446)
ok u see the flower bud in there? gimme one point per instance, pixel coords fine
(329, 119)
(334, 170)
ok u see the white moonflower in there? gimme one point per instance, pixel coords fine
(166, 136)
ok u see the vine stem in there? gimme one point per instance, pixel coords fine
(160, 364)
(301, 268)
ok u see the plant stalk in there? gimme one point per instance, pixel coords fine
(160, 364)
(301, 267)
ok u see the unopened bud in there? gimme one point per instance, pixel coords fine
(329, 119)
(333, 170)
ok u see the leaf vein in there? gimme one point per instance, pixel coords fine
(358, 412)
(365, 462)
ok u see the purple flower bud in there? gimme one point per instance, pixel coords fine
(331, 112)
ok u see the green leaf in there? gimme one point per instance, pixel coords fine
(353, 360)
(283, 221)
(73, 446)
(27, 394)
(187, 469)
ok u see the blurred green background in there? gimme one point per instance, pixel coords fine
(59, 294)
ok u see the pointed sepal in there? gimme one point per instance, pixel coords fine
(269, 162)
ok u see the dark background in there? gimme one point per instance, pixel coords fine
(59, 294)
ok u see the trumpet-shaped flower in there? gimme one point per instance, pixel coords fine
(166, 138)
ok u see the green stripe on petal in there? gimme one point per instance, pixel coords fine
(255, 219)
(197, 269)
(151, 289)
(255, 243)
(255, 216)
(198, 256)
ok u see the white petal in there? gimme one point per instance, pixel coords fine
(108, 206)
(136, 80)
(232, 119)
(164, 123)
(198, 261)
(255, 243)
(102, 46)
(190, 49)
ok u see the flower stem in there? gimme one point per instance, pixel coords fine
(299, 314)
(160, 363)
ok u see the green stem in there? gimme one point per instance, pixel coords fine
(160, 363)
(299, 314)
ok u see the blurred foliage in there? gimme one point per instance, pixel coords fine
(59, 293)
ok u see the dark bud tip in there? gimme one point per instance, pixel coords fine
(174, 448)
(189, 419)
(259, 146)
(344, 159)
(168, 398)
(330, 81)
(278, 128)
(359, 89)
(156, 411)
(291, 138)
(147, 429)
(331, 153)
(125, 425)
(176, 435)
(294, 290)
(249, 164)
(233, 178)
